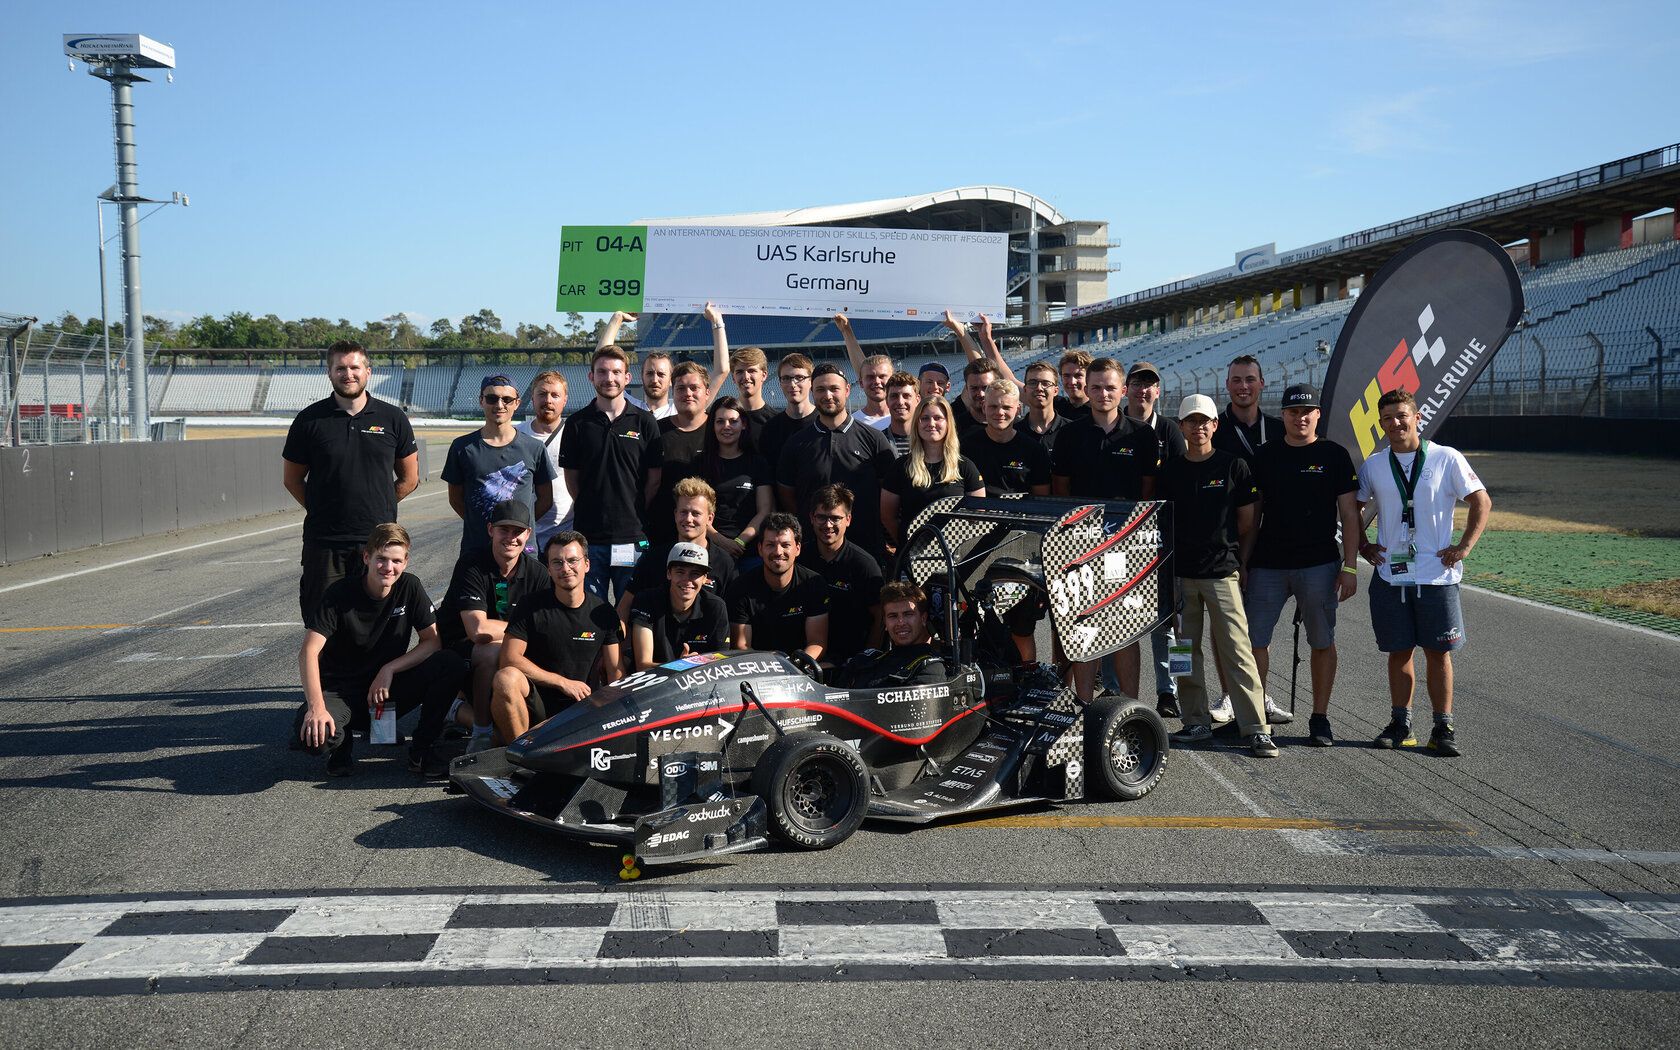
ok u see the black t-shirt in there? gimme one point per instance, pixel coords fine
(777, 618)
(564, 641)
(1048, 437)
(649, 573)
(613, 459)
(1010, 466)
(854, 588)
(365, 633)
(758, 418)
(736, 482)
(1243, 441)
(1300, 485)
(913, 500)
(705, 630)
(774, 436)
(478, 585)
(1108, 465)
(1067, 408)
(964, 420)
(855, 455)
(1205, 497)
(352, 460)
(680, 449)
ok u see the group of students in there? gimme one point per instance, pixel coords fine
(688, 521)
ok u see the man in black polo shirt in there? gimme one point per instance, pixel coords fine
(793, 372)
(1074, 402)
(349, 458)
(1243, 428)
(681, 436)
(1010, 460)
(968, 412)
(852, 576)
(696, 509)
(487, 587)
(1043, 418)
(494, 463)
(781, 606)
(1106, 455)
(559, 645)
(355, 660)
(1213, 497)
(836, 449)
(1143, 395)
(612, 460)
(680, 619)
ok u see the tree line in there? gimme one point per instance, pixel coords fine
(239, 330)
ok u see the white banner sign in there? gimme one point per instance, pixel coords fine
(819, 271)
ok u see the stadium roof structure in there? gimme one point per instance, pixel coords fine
(1644, 182)
(930, 210)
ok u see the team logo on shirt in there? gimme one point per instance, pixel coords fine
(1313, 468)
(1120, 452)
(1214, 483)
(398, 611)
(840, 585)
(634, 435)
(587, 636)
(374, 430)
(797, 610)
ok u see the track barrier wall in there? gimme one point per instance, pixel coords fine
(56, 498)
(1622, 437)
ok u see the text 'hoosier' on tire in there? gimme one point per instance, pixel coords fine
(1125, 746)
(815, 789)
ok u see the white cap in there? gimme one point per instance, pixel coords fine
(1198, 405)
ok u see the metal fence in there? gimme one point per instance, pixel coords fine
(1627, 374)
(53, 386)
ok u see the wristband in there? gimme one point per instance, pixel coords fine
(1350, 569)
(717, 326)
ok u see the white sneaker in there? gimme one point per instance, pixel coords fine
(480, 742)
(1221, 711)
(1275, 714)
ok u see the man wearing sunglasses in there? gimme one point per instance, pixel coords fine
(496, 463)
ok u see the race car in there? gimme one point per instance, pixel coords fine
(720, 752)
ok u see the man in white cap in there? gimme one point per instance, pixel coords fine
(682, 618)
(1214, 497)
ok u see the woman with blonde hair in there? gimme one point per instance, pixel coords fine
(933, 469)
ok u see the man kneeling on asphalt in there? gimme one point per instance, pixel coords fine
(487, 587)
(913, 658)
(554, 644)
(682, 618)
(355, 660)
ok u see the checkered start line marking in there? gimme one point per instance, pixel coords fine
(106, 947)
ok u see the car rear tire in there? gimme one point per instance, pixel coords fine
(815, 789)
(1125, 747)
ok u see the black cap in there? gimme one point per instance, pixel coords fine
(1301, 395)
(511, 512)
(496, 380)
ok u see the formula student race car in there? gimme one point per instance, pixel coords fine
(716, 753)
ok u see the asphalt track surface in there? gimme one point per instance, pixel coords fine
(172, 874)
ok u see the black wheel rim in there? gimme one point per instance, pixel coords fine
(1132, 753)
(819, 794)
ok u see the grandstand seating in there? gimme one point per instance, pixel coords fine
(195, 390)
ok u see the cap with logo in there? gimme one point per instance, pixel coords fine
(1301, 395)
(511, 512)
(1197, 405)
(688, 554)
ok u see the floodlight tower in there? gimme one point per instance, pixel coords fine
(114, 57)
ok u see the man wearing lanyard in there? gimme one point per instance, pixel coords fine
(1243, 428)
(548, 399)
(1414, 593)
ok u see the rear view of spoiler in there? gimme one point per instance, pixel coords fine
(1105, 568)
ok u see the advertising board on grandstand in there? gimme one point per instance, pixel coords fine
(793, 271)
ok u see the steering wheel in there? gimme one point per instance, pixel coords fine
(802, 660)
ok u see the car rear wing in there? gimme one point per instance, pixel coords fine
(1105, 568)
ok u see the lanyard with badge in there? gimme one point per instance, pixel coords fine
(1400, 562)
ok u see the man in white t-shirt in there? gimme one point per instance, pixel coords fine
(548, 399)
(1414, 593)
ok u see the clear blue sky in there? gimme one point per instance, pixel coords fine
(358, 159)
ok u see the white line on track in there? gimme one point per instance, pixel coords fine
(167, 553)
(181, 608)
(1576, 613)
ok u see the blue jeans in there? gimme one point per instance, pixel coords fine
(603, 572)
